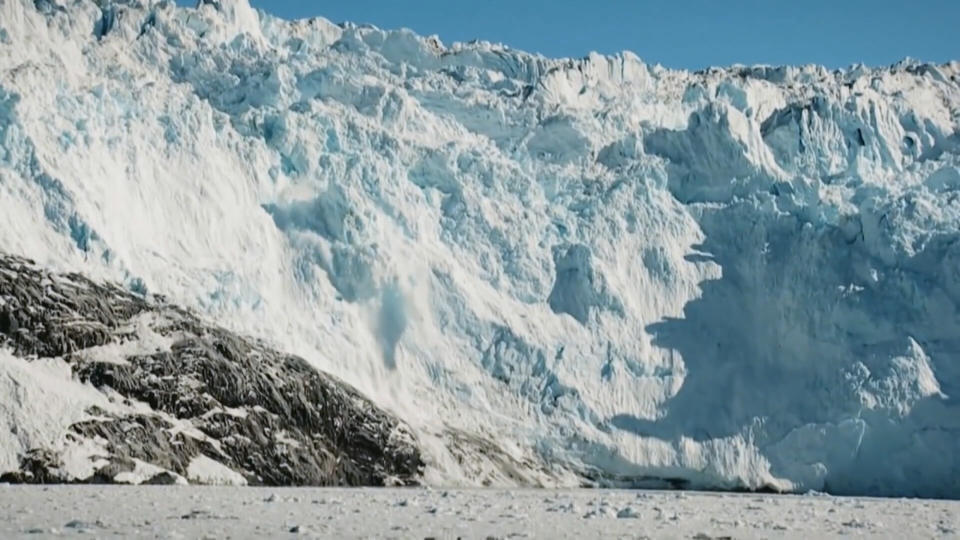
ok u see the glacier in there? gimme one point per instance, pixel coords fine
(556, 271)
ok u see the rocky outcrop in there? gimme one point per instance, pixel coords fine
(193, 390)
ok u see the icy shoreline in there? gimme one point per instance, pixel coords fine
(196, 512)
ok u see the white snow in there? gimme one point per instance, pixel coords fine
(39, 400)
(207, 471)
(142, 472)
(743, 277)
(142, 339)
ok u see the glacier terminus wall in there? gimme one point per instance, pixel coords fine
(556, 271)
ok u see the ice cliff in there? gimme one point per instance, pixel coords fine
(555, 271)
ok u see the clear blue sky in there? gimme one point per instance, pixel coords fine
(680, 33)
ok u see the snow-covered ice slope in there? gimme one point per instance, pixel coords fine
(552, 269)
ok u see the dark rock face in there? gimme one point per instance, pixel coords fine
(47, 315)
(37, 466)
(268, 416)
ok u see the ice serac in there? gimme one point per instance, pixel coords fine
(552, 270)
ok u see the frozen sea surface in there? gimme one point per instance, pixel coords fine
(222, 512)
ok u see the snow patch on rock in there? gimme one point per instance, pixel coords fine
(207, 471)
